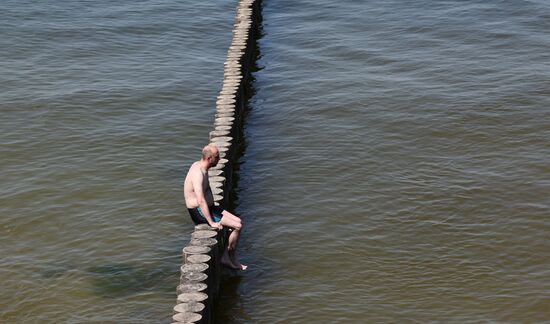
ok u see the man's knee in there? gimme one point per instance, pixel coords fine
(227, 213)
(238, 225)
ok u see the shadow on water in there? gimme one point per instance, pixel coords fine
(115, 280)
(121, 279)
(54, 272)
(229, 306)
(111, 280)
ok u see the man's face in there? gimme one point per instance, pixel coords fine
(214, 159)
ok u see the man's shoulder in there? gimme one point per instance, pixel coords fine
(195, 170)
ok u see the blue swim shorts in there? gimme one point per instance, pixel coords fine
(198, 217)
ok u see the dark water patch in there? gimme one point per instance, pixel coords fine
(116, 280)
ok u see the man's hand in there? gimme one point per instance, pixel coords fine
(216, 225)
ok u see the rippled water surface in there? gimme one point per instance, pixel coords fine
(395, 168)
(104, 105)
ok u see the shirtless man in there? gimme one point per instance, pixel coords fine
(200, 204)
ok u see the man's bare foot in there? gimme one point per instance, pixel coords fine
(233, 256)
(226, 261)
(239, 265)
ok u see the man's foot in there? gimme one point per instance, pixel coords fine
(234, 260)
(226, 261)
(240, 265)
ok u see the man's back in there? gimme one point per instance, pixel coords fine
(196, 178)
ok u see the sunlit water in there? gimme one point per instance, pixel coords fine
(395, 169)
(104, 104)
(397, 164)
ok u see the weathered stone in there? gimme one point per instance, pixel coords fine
(222, 97)
(216, 191)
(220, 143)
(225, 107)
(194, 276)
(194, 267)
(231, 84)
(219, 180)
(221, 164)
(192, 297)
(232, 70)
(204, 234)
(193, 307)
(223, 152)
(229, 91)
(214, 134)
(227, 139)
(235, 55)
(237, 47)
(199, 258)
(204, 241)
(225, 114)
(212, 172)
(196, 250)
(225, 101)
(224, 121)
(236, 77)
(222, 127)
(232, 63)
(187, 317)
(215, 184)
(241, 35)
(204, 227)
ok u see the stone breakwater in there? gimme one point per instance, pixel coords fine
(201, 269)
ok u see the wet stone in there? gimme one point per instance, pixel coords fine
(192, 297)
(194, 267)
(193, 277)
(199, 258)
(187, 317)
(204, 241)
(196, 250)
(204, 234)
(193, 307)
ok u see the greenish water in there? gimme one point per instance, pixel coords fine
(396, 167)
(104, 105)
(395, 164)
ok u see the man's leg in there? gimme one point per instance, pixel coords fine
(230, 255)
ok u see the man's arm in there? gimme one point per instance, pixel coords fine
(198, 187)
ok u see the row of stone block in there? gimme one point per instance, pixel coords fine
(201, 269)
(229, 101)
(199, 276)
